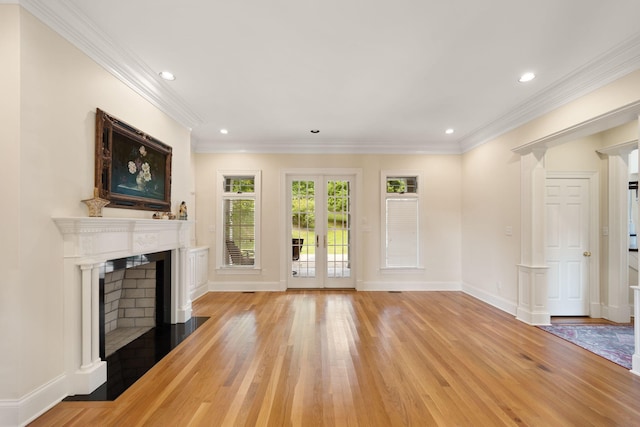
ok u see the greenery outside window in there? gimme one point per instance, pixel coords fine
(239, 207)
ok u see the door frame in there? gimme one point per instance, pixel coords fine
(532, 293)
(593, 181)
(285, 245)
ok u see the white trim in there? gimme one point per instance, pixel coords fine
(622, 149)
(593, 125)
(491, 299)
(384, 174)
(20, 412)
(594, 229)
(70, 22)
(326, 147)
(355, 175)
(608, 67)
(199, 291)
(221, 174)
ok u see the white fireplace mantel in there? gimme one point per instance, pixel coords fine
(88, 243)
(110, 238)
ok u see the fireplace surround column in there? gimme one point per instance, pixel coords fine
(90, 315)
(183, 311)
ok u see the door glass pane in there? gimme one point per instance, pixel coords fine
(303, 235)
(338, 229)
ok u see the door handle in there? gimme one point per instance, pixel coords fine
(586, 253)
(317, 241)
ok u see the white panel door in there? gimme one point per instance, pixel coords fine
(567, 249)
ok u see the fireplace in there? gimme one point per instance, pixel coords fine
(92, 246)
(134, 297)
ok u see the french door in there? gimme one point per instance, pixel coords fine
(320, 231)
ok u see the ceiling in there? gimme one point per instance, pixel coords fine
(373, 76)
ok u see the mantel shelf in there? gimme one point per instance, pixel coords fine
(101, 238)
(79, 225)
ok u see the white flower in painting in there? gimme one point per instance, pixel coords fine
(146, 172)
(143, 150)
(132, 167)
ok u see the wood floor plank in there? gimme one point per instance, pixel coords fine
(346, 358)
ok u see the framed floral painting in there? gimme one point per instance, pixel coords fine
(133, 169)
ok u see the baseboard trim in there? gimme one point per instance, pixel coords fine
(199, 291)
(493, 300)
(21, 412)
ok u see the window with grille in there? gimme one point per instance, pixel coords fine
(401, 225)
(240, 219)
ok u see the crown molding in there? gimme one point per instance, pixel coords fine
(602, 70)
(70, 23)
(323, 147)
(73, 25)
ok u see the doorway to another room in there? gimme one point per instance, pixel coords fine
(320, 228)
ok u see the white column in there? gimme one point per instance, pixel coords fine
(90, 307)
(182, 288)
(617, 309)
(532, 270)
(85, 341)
(92, 371)
(95, 313)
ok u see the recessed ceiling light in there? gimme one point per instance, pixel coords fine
(167, 75)
(526, 77)
(448, 131)
(315, 131)
(224, 131)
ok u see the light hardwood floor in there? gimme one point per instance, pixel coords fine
(343, 358)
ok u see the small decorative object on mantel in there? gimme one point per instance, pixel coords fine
(183, 211)
(164, 215)
(95, 204)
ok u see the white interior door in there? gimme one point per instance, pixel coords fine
(567, 245)
(320, 230)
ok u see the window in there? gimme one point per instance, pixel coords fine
(400, 210)
(239, 207)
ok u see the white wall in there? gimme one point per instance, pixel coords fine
(491, 224)
(440, 188)
(10, 166)
(491, 189)
(52, 91)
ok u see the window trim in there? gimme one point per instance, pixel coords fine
(221, 196)
(384, 196)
